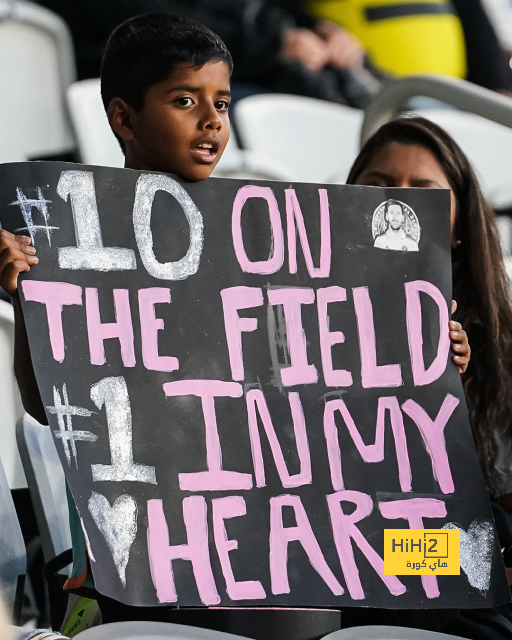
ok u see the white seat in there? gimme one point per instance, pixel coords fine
(386, 633)
(97, 145)
(315, 141)
(487, 144)
(244, 164)
(46, 484)
(10, 401)
(36, 66)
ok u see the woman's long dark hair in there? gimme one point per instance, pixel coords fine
(480, 284)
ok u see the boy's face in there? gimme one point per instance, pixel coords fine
(184, 125)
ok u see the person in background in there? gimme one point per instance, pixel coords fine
(277, 46)
(414, 152)
(403, 38)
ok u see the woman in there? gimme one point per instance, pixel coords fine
(413, 152)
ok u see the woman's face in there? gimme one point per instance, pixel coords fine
(407, 165)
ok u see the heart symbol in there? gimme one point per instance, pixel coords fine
(476, 551)
(118, 524)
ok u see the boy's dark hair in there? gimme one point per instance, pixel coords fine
(145, 50)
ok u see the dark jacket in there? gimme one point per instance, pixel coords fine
(252, 30)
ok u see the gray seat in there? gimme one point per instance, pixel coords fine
(387, 633)
(13, 558)
(47, 487)
(46, 483)
(152, 631)
(36, 55)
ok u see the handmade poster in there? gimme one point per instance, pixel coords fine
(247, 382)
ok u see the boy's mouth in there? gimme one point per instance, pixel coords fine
(206, 150)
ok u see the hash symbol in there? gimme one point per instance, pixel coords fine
(64, 413)
(26, 206)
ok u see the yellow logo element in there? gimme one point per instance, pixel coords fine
(423, 552)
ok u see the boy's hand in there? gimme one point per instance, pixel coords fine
(460, 343)
(16, 256)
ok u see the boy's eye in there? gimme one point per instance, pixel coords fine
(184, 102)
(222, 105)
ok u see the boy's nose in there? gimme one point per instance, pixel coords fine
(211, 120)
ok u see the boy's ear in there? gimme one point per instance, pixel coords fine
(120, 118)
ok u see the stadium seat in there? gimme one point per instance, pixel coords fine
(387, 633)
(97, 144)
(36, 66)
(13, 559)
(47, 487)
(487, 144)
(152, 631)
(46, 483)
(10, 402)
(315, 141)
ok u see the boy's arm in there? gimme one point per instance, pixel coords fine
(17, 256)
(23, 369)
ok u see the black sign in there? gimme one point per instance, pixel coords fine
(248, 382)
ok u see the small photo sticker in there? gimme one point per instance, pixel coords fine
(395, 227)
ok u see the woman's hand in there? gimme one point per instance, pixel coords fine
(345, 50)
(306, 47)
(460, 343)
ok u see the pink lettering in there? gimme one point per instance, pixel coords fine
(256, 399)
(300, 371)
(150, 325)
(421, 375)
(294, 216)
(340, 377)
(281, 536)
(224, 508)
(414, 511)
(369, 452)
(275, 262)
(122, 328)
(432, 432)
(215, 479)
(345, 530)
(388, 375)
(234, 299)
(54, 295)
(161, 554)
